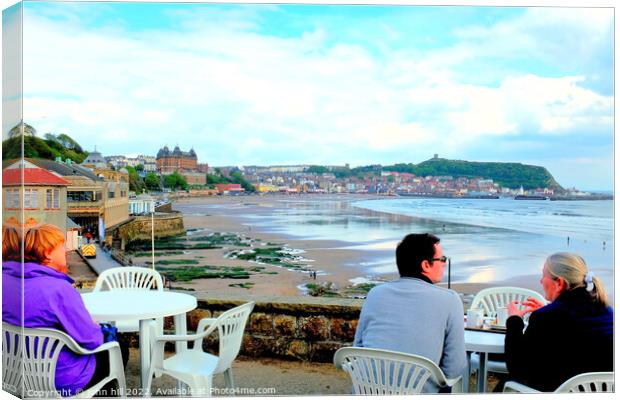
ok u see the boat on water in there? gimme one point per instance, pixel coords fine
(529, 197)
(481, 196)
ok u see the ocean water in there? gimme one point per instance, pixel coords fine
(489, 241)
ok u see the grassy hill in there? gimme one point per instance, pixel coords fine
(511, 175)
(49, 148)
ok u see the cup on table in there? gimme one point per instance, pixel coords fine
(474, 317)
(502, 316)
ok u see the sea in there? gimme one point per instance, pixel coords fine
(489, 241)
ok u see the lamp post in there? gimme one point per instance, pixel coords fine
(152, 236)
(449, 271)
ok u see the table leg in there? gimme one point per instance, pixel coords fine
(467, 373)
(180, 327)
(145, 353)
(482, 373)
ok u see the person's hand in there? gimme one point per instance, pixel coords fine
(513, 309)
(532, 304)
(529, 305)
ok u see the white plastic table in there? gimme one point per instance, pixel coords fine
(483, 343)
(142, 305)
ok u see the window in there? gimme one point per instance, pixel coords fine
(110, 195)
(80, 196)
(30, 198)
(12, 198)
(52, 198)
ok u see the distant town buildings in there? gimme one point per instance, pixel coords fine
(95, 160)
(148, 163)
(226, 188)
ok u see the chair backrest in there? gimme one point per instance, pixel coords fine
(230, 326)
(491, 299)
(588, 382)
(129, 278)
(29, 359)
(383, 372)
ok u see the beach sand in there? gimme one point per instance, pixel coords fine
(228, 214)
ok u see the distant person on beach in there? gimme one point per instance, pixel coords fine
(412, 315)
(571, 335)
(50, 301)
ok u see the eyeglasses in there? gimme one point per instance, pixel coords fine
(442, 259)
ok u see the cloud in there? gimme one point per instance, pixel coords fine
(220, 82)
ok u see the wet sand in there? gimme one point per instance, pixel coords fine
(232, 214)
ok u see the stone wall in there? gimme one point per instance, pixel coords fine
(289, 327)
(164, 208)
(302, 328)
(139, 227)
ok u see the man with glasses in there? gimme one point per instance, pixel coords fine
(412, 314)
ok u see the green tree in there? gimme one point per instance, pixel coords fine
(140, 167)
(35, 147)
(68, 142)
(135, 182)
(17, 132)
(214, 179)
(151, 181)
(237, 177)
(316, 169)
(175, 181)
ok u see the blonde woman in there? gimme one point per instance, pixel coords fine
(573, 334)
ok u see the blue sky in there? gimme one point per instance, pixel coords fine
(320, 84)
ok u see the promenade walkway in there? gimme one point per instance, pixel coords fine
(282, 377)
(102, 262)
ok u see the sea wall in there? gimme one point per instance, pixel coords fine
(139, 227)
(164, 208)
(288, 327)
(302, 328)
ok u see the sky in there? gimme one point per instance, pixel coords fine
(265, 84)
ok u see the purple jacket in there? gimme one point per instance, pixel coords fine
(50, 301)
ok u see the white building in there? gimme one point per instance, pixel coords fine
(141, 204)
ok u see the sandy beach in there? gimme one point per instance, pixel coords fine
(229, 214)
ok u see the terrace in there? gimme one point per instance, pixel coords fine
(287, 350)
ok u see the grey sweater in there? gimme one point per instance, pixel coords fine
(417, 317)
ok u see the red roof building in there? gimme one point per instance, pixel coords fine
(37, 192)
(32, 176)
(229, 187)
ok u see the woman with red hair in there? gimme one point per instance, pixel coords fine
(49, 301)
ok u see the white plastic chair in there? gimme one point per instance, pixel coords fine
(130, 278)
(582, 383)
(29, 357)
(490, 300)
(195, 367)
(384, 372)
